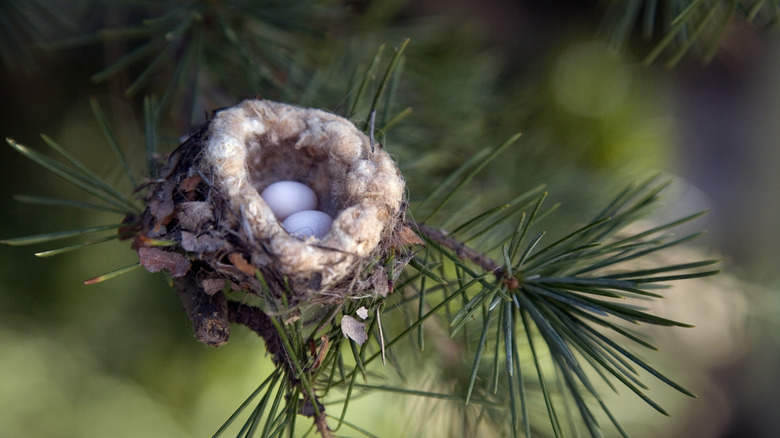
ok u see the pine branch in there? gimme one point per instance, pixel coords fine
(260, 323)
(462, 251)
(492, 282)
(559, 290)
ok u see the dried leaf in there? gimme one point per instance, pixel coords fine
(406, 236)
(362, 312)
(171, 163)
(204, 243)
(211, 285)
(155, 259)
(192, 215)
(161, 207)
(239, 262)
(190, 183)
(307, 408)
(296, 315)
(353, 329)
(325, 342)
(380, 282)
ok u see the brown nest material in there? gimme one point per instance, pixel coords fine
(207, 225)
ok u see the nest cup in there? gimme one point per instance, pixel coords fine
(257, 143)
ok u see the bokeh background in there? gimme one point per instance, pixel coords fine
(119, 359)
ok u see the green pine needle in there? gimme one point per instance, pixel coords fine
(48, 237)
(151, 118)
(356, 428)
(364, 81)
(126, 61)
(478, 357)
(269, 382)
(53, 252)
(428, 394)
(59, 202)
(479, 165)
(426, 271)
(103, 122)
(79, 177)
(391, 69)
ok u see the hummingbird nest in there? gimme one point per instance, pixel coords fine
(207, 224)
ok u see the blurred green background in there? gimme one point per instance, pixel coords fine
(119, 359)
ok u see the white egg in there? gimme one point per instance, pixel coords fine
(288, 197)
(308, 223)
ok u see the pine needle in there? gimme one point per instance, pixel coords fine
(150, 130)
(58, 251)
(112, 274)
(85, 182)
(48, 237)
(391, 67)
(101, 118)
(60, 202)
(270, 380)
(469, 176)
(364, 81)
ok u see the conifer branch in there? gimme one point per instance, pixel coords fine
(462, 251)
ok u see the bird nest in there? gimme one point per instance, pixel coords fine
(207, 225)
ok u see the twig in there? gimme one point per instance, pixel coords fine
(208, 313)
(463, 251)
(322, 425)
(260, 323)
